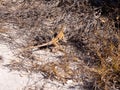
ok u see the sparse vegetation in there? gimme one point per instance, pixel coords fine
(90, 52)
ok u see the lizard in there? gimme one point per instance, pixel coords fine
(54, 41)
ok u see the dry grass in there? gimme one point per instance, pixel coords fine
(91, 54)
(109, 69)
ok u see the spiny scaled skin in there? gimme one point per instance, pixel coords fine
(54, 41)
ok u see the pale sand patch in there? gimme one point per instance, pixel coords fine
(15, 80)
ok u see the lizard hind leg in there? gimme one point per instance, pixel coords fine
(57, 48)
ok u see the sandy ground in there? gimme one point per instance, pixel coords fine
(15, 80)
(9, 80)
